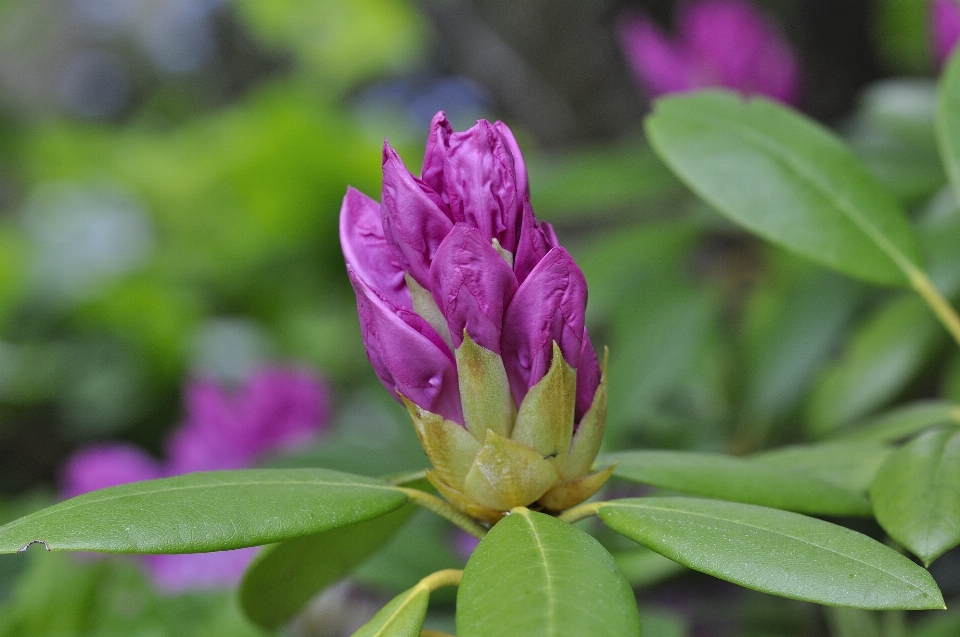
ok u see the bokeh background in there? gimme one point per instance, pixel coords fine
(171, 174)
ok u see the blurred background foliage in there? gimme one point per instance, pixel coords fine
(170, 179)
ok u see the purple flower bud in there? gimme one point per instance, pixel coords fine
(724, 43)
(484, 343)
(944, 17)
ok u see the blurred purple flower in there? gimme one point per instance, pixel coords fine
(944, 18)
(276, 409)
(719, 43)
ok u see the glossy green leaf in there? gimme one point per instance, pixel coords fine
(402, 617)
(785, 178)
(775, 552)
(849, 464)
(948, 120)
(199, 512)
(904, 421)
(916, 494)
(884, 354)
(284, 577)
(728, 478)
(535, 576)
(643, 567)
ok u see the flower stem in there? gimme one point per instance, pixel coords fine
(925, 288)
(444, 510)
(407, 478)
(446, 577)
(581, 512)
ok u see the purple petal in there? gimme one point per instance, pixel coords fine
(944, 28)
(282, 409)
(480, 183)
(366, 249)
(211, 436)
(659, 64)
(735, 47)
(413, 221)
(536, 239)
(472, 284)
(588, 377)
(548, 306)
(102, 466)
(178, 573)
(435, 154)
(408, 355)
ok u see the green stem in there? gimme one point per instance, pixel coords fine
(581, 512)
(407, 478)
(446, 577)
(944, 311)
(444, 510)
(426, 632)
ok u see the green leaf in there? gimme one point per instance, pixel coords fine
(787, 179)
(948, 120)
(849, 464)
(199, 512)
(884, 354)
(728, 478)
(916, 494)
(402, 617)
(904, 421)
(775, 552)
(284, 577)
(535, 576)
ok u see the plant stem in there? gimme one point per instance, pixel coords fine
(581, 512)
(407, 478)
(426, 632)
(444, 510)
(925, 288)
(446, 577)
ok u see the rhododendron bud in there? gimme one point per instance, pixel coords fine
(473, 317)
(724, 43)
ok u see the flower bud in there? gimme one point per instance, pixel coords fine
(473, 317)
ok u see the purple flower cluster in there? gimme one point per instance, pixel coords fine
(467, 303)
(944, 28)
(719, 43)
(276, 409)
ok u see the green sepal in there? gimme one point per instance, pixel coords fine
(545, 420)
(507, 474)
(484, 390)
(426, 306)
(589, 435)
(450, 448)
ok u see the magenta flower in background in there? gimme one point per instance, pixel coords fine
(275, 410)
(467, 304)
(718, 43)
(944, 28)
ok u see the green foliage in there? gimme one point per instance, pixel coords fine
(792, 182)
(758, 547)
(211, 511)
(916, 494)
(726, 478)
(533, 575)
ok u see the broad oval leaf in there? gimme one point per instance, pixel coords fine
(850, 464)
(284, 577)
(211, 511)
(916, 494)
(904, 421)
(727, 478)
(787, 179)
(948, 120)
(535, 576)
(775, 552)
(402, 617)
